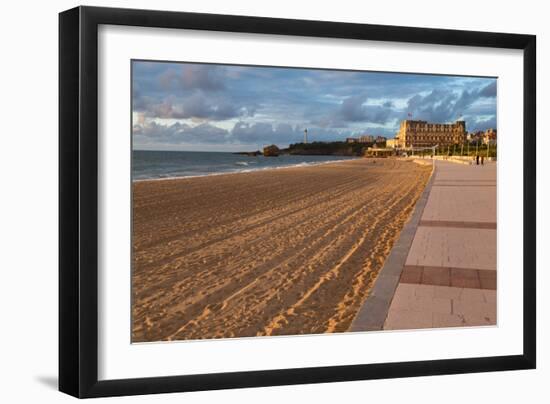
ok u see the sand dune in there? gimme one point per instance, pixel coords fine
(275, 252)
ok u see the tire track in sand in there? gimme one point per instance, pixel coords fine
(257, 274)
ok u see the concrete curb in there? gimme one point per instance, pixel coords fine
(374, 310)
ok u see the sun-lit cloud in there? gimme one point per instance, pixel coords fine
(190, 105)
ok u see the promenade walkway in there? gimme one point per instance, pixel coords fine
(442, 270)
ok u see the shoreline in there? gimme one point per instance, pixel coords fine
(276, 252)
(246, 171)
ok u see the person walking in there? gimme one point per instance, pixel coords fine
(477, 159)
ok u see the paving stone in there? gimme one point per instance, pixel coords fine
(422, 298)
(448, 292)
(490, 296)
(440, 276)
(411, 274)
(446, 268)
(433, 305)
(406, 290)
(453, 247)
(465, 278)
(473, 320)
(471, 309)
(462, 203)
(488, 279)
(447, 320)
(424, 291)
(472, 295)
(408, 319)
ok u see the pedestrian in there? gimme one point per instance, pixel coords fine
(482, 158)
(477, 159)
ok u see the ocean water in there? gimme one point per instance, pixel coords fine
(172, 164)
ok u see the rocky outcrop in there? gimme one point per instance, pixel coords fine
(271, 151)
(250, 154)
(326, 149)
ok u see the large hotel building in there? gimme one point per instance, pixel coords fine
(425, 134)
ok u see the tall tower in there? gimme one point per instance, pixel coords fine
(305, 135)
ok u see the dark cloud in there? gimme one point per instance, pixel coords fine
(466, 99)
(196, 106)
(141, 102)
(192, 77)
(482, 124)
(259, 133)
(490, 90)
(484, 107)
(272, 105)
(437, 106)
(284, 133)
(355, 109)
(328, 121)
(178, 133)
(444, 105)
(262, 132)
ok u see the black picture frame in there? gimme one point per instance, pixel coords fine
(78, 201)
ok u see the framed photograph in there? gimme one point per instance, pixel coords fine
(251, 201)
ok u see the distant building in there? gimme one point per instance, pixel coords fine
(426, 134)
(366, 139)
(490, 136)
(380, 152)
(391, 143)
(475, 137)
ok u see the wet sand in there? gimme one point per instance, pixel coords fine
(274, 252)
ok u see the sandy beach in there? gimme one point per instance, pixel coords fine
(273, 252)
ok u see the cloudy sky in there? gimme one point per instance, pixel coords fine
(187, 106)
